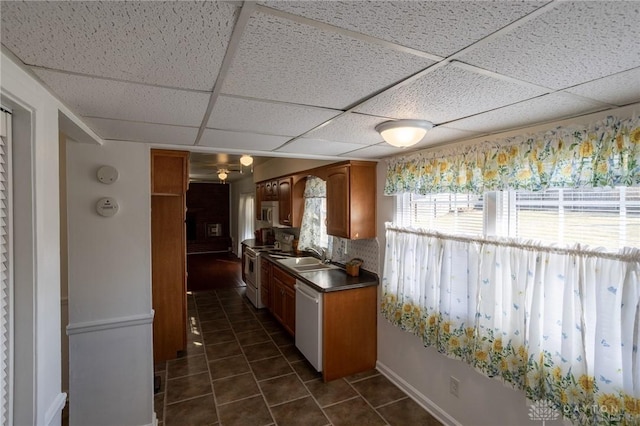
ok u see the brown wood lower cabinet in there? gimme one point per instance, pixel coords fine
(349, 332)
(349, 321)
(265, 283)
(283, 299)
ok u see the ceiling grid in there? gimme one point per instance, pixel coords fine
(312, 79)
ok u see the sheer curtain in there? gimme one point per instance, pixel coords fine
(313, 231)
(246, 214)
(560, 324)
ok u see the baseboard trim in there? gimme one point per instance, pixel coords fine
(111, 323)
(417, 396)
(55, 408)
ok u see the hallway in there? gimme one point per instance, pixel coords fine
(212, 271)
(242, 368)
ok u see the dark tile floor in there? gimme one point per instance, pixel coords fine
(242, 368)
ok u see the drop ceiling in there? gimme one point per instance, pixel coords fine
(311, 79)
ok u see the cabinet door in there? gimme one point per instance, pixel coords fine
(289, 310)
(277, 301)
(285, 200)
(260, 196)
(169, 171)
(338, 201)
(265, 283)
(274, 190)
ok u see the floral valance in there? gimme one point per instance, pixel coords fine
(605, 154)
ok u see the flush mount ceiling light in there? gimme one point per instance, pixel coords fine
(403, 133)
(222, 175)
(246, 160)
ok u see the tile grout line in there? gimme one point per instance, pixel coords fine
(365, 399)
(266, 403)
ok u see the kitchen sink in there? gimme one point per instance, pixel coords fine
(305, 264)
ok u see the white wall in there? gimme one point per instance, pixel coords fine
(239, 187)
(110, 331)
(38, 398)
(284, 166)
(425, 373)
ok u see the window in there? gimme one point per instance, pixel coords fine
(599, 217)
(313, 231)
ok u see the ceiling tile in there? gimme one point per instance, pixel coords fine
(440, 135)
(619, 89)
(318, 147)
(377, 151)
(101, 98)
(446, 94)
(283, 60)
(575, 42)
(350, 128)
(266, 117)
(178, 44)
(241, 140)
(551, 107)
(142, 132)
(440, 28)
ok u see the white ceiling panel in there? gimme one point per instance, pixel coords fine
(446, 94)
(148, 70)
(440, 28)
(573, 43)
(376, 151)
(440, 135)
(101, 98)
(143, 132)
(178, 44)
(287, 61)
(618, 89)
(266, 117)
(241, 140)
(545, 108)
(318, 147)
(350, 128)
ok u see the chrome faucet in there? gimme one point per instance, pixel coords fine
(322, 253)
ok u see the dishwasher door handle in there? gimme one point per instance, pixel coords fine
(304, 293)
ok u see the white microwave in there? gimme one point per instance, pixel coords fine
(269, 212)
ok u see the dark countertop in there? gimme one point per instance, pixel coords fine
(329, 279)
(252, 243)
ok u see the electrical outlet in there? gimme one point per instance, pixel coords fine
(454, 386)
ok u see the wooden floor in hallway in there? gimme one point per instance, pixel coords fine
(213, 271)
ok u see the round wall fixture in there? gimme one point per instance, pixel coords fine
(107, 174)
(107, 207)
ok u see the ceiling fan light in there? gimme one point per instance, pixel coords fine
(246, 160)
(403, 133)
(222, 175)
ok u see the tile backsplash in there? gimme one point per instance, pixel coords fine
(367, 250)
(344, 250)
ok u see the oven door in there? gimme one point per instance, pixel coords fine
(251, 271)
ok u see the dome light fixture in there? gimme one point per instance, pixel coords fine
(403, 133)
(222, 175)
(246, 160)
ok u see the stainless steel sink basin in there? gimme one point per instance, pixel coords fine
(305, 264)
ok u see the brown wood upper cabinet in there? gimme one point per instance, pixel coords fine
(351, 203)
(282, 298)
(271, 191)
(169, 172)
(285, 200)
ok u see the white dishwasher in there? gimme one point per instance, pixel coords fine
(309, 323)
